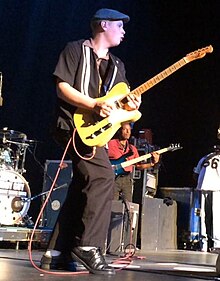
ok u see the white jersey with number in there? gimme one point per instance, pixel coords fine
(208, 169)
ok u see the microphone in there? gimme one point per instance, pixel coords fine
(1, 99)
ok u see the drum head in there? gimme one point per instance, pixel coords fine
(14, 195)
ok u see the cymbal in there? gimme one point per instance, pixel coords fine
(11, 135)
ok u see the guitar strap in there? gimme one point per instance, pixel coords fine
(123, 78)
(206, 160)
(85, 71)
(130, 152)
(108, 74)
(113, 71)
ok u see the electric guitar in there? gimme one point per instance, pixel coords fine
(97, 131)
(119, 164)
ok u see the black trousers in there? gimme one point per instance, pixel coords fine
(85, 216)
(209, 218)
(124, 184)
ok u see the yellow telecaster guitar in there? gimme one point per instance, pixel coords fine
(96, 131)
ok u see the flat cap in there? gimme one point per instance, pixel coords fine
(109, 14)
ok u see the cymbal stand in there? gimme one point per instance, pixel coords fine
(19, 155)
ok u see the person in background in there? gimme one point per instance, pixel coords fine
(207, 175)
(121, 150)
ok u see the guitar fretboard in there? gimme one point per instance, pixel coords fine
(159, 77)
(143, 157)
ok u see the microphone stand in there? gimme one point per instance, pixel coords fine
(43, 193)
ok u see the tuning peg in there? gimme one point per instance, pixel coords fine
(175, 146)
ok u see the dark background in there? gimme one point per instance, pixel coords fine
(183, 108)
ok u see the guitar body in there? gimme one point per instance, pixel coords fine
(116, 164)
(96, 131)
(118, 170)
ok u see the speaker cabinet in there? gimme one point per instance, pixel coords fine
(59, 193)
(123, 226)
(188, 212)
(158, 225)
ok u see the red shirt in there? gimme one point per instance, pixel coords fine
(117, 150)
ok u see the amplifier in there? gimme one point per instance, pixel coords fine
(123, 226)
(158, 225)
(59, 193)
(188, 212)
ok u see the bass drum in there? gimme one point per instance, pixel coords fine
(14, 197)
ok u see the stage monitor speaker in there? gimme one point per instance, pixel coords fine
(188, 212)
(158, 225)
(59, 193)
(123, 226)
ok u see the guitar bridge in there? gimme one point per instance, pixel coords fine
(99, 131)
(118, 104)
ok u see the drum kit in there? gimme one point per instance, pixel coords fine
(14, 189)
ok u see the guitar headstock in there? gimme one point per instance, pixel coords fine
(200, 53)
(174, 147)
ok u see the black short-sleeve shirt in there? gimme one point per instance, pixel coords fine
(77, 65)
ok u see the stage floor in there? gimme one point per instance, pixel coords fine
(151, 266)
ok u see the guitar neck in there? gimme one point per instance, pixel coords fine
(142, 158)
(159, 77)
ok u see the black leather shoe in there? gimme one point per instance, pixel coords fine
(58, 262)
(93, 260)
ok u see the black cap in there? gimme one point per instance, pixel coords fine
(109, 14)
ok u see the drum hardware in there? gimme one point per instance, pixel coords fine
(14, 190)
(5, 156)
(5, 133)
(18, 203)
(20, 154)
(13, 151)
(15, 198)
(15, 195)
